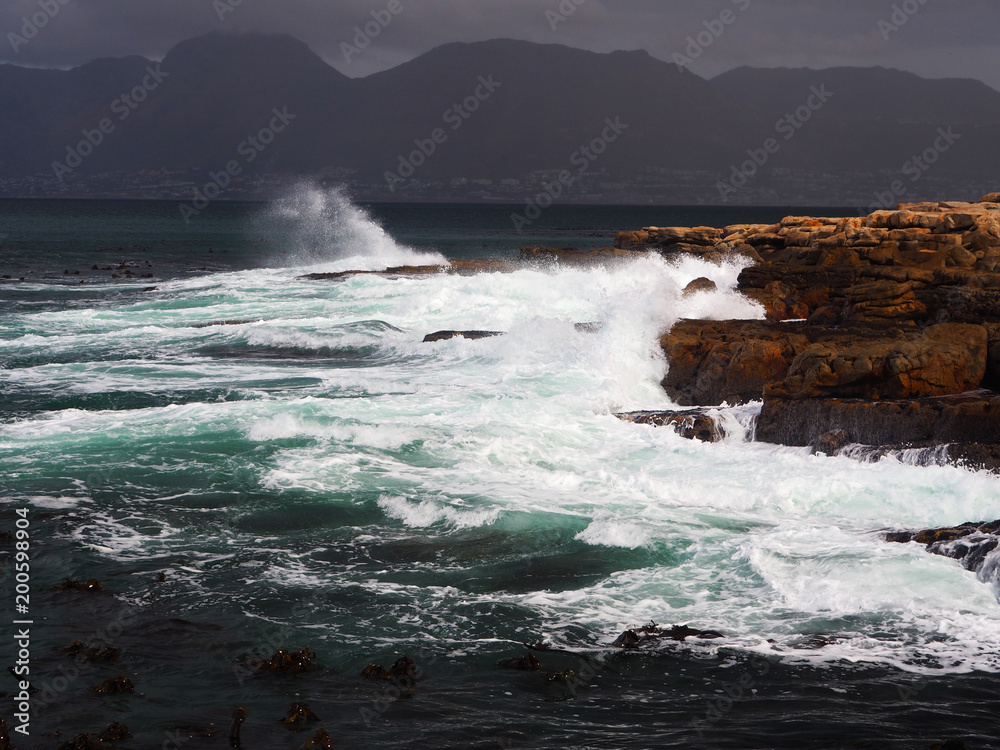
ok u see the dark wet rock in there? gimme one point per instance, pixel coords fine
(964, 420)
(648, 634)
(945, 534)
(299, 713)
(681, 632)
(700, 285)
(949, 744)
(528, 663)
(831, 442)
(320, 741)
(70, 585)
(814, 641)
(628, 639)
(224, 323)
(975, 455)
(473, 335)
(92, 653)
(695, 424)
(969, 543)
(5, 743)
(115, 686)
(403, 667)
(567, 675)
(547, 649)
(239, 715)
(457, 267)
(289, 662)
(115, 733)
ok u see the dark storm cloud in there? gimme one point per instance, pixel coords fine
(938, 39)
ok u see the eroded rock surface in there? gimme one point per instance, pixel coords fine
(881, 330)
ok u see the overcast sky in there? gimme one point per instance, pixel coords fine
(940, 38)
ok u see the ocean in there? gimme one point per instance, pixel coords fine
(250, 461)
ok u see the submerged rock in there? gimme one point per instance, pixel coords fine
(115, 686)
(404, 666)
(647, 634)
(82, 742)
(92, 653)
(224, 323)
(70, 585)
(289, 662)
(239, 715)
(299, 713)
(320, 741)
(527, 663)
(472, 335)
(115, 733)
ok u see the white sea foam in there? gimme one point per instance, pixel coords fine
(609, 532)
(425, 513)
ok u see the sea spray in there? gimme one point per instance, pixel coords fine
(319, 226)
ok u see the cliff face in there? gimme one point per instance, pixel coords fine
(874, 325)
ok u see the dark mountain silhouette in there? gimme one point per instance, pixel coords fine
(880, 94)
(537, 105)
(551, 101)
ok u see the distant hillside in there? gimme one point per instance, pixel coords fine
(880, 94)
(496, 120)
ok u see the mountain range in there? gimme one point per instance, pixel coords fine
(495, 120)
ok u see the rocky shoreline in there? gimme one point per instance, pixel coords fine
(881, 331)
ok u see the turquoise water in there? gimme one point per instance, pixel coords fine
(316, 475)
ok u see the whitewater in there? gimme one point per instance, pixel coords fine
(461, 497)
